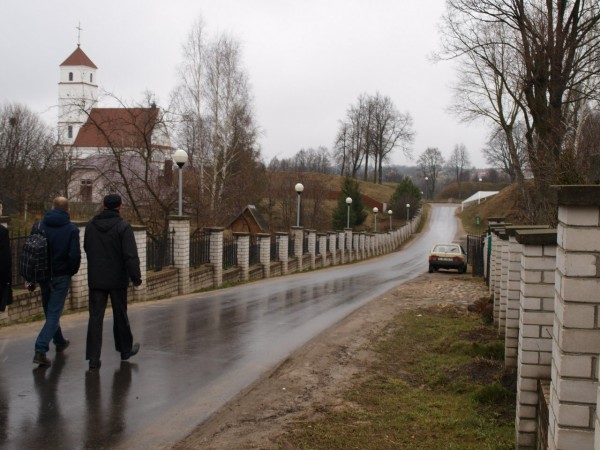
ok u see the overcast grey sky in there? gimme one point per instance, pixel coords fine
(307, 60)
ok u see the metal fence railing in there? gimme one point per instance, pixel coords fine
(475, 255)
(199, 248)
(229, 252)
(254, 251)
(274, 248)
(291, 247)
(305, 244)
(16, 241)
(159, 251)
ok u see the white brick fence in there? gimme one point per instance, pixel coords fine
(545, 285)
(324, 249)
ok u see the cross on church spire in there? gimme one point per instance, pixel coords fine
(79, 29)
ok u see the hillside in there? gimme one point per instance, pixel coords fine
(507, 204)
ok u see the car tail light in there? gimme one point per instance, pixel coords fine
(457, 259)
(433, 258)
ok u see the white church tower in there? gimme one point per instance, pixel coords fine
(77, 94)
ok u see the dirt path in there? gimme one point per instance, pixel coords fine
(315, 375)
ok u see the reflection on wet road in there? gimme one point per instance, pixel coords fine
(198, 351)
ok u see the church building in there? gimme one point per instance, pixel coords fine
(105, 146)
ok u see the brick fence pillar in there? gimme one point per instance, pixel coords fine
(264, 251)
(342, 246)
(181, 250)
(298, 246)
(312, 248)
(242, 243)
(78, 293)
(216, 254)
(536, 316)
(503, 290)
(348, 245)
(360, 245)
(284, 241)
(333, 247)
(322, 240)
(576, 332)
(140, 233)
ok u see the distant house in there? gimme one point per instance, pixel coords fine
(249, 221)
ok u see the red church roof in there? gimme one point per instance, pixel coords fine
(117, 127)
(78, 58)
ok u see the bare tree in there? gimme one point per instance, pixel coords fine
(459, 162)
(498, 155)
(372, 130)
(217, 125)
(550, 65)
(430, 164)
(31, 167)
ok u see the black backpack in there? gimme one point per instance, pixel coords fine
(34, 264)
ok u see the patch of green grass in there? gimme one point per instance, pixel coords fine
(437, 383)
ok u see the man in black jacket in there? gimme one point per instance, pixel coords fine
(112, 256)
(65, 258)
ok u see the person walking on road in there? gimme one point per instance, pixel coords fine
(113, 261)
(65, 258)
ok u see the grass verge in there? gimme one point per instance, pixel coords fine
(438, 383)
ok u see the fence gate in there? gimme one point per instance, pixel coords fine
(475, 255)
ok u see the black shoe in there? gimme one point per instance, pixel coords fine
(134, 349)
(61, 348)
(95, 364)
(41, 359)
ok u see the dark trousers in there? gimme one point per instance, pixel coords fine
(121, 329)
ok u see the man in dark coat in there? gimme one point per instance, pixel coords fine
(65, 258)
(113, 261)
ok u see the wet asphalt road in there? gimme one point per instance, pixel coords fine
(197, 352)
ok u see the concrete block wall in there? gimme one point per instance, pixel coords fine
(576, 331)
(78, 293)
(284, 242)
(511, 335)
(536, 317)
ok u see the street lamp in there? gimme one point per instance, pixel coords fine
(426, 188)
(299, 188)
(479, 192)
(375, 211)
(390, 214)
(180, 157)
(348, 202)
(407, 211)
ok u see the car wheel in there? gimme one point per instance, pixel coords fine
(431, 269)
(464, 269)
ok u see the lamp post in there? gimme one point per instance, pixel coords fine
(426, 188)
(407, 212)
(348, 202)
(390, 214)
(180, 157)
(299, 188)
(375, 211)
(479, 192)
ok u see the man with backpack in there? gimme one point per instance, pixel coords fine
(64, 254)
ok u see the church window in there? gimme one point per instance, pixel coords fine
(85, 190)
(91, 77)
(70, 131)
(70, 76)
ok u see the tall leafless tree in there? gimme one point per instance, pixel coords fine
(32, 169)
(430, 164)
(458, 163)
(550, 66)
(373, 129)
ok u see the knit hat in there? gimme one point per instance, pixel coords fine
(112, 201)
